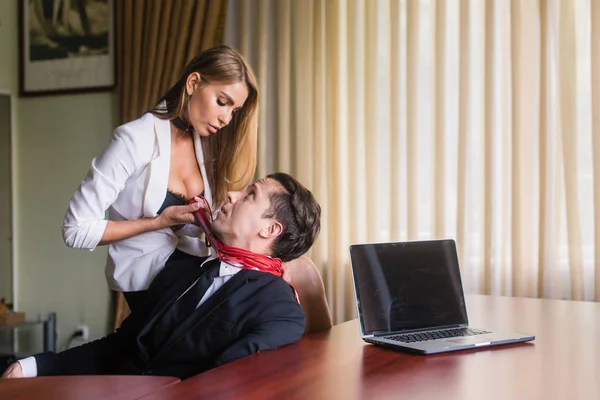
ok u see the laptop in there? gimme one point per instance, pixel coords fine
(409, 296)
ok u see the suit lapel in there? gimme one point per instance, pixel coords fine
(163, 305)
(208, 308)
(156, 187)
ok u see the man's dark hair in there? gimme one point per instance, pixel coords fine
(298, 212)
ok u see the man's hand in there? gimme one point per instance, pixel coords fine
(13, 371)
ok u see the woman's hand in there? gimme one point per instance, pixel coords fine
(13, 371)
(173, 217)
(177, 215)
(205, 208)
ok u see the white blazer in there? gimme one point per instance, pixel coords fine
(129, 179)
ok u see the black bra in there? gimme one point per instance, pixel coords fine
(174, 199)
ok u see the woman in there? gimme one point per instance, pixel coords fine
(199, 139)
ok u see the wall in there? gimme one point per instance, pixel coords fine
(55, 140)
(5, 199)
(8, 46)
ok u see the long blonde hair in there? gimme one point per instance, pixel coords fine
(231, 159)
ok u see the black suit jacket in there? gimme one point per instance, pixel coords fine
(253, 311)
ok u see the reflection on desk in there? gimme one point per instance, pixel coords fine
(562, 363)
(83, 387)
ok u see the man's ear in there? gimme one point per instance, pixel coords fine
(272, 231)
(192, 83)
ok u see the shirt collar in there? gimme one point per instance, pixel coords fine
(225, 269)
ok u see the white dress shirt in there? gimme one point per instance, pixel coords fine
(129, 179)
(226, 272)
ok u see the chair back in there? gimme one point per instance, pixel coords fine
(304, 276)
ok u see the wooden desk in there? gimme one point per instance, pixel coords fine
(82, 387)
(562, 363)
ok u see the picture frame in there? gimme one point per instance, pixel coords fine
(66, 46)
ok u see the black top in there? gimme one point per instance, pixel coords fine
(174, 199)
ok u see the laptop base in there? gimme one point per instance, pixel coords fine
(451, 344)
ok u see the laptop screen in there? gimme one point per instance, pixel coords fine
(407, 285)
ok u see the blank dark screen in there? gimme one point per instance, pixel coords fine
(408, 285)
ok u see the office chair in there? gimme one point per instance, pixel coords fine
(304, 276)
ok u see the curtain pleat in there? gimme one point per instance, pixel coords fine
(283, 72)
(546, 265)
(203, 20)
(525, 69)
(464, 79)
(488, 199)
(158, 50)
(135, 66)
(438, 125)
(320, 139)
(505, 116)
(412, 118)
(595, 28)
(181, 21)
(395, 182)
(212, 25)
(335, 101)
(357, 132)
(175, 22)
(261, 42)
(151, 33)
(568, 103)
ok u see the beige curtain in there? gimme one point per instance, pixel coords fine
(423, 119)
(155, 39)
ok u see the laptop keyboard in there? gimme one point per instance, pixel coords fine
(433, 335)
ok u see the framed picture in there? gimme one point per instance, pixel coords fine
(66, 46)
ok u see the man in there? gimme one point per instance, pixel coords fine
(191, 323)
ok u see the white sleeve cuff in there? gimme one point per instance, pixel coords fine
(29, 367)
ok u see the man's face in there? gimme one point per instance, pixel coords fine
(241, 220)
